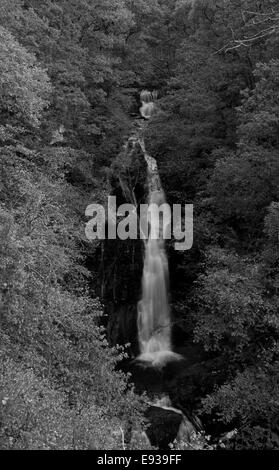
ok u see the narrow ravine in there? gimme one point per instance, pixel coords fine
(154, 357)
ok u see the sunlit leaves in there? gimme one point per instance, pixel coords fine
(24, 84)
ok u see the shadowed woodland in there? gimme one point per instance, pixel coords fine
(71, 74)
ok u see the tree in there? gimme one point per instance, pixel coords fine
(50, 318)
(25, 86)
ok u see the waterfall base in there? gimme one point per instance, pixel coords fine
(158, 359)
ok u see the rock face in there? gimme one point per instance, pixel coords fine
(121, 261)
(164, 426)
(168, 424)
(122, 325)
(167, 421)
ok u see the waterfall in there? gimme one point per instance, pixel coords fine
(154, 319)
(147, 99)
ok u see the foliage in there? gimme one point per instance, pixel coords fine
(24, 84)
(69, 75)
(59, 60)
(198, 441)
(229, 303)
(35, 416)
(251, 399)
(216, 142)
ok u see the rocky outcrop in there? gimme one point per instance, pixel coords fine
(121, 261)
(168, 424)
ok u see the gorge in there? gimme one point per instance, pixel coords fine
(116, 343)
(151, 315)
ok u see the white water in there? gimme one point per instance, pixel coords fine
(154, 319)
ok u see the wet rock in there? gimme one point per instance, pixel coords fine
(168, 424)
(164, 426)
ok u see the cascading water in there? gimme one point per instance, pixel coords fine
(154, 317)
(154, 320)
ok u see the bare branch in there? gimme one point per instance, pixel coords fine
(247, 41)
(257, 19)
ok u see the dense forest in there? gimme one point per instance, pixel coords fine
(71, 73)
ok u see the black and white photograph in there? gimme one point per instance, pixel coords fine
(139, 228)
